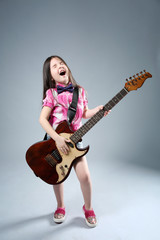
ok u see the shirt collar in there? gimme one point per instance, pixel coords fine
(62, 85)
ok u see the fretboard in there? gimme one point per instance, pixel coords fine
(77, 136)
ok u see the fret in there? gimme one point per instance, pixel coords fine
(111, 103)
(123, 92)
(84, 128)
(77, 136)
(107, 107)
(115, 100)
(119, 96)
(126, 90)
(83, 131)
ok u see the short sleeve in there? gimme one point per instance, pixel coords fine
(85, 100)
(49, 100)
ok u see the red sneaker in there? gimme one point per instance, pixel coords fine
(90, 217)
(59, 215)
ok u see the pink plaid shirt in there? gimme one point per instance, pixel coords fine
(59, 103)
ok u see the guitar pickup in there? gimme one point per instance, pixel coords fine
(51, 160)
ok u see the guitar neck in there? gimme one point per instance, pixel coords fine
(77, 136)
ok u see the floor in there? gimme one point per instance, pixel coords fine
(126, 199)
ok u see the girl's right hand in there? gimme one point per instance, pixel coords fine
(62, 145)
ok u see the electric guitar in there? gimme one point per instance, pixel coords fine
(49, 163)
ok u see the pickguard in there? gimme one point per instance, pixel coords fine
(67, 160)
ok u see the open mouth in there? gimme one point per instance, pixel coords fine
(62, 73)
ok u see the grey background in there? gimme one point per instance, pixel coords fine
(103, 42)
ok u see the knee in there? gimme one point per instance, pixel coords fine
(85, 178)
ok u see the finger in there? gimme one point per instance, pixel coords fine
(67, 140)
(105, 113)
(66, 147)
(63, 150)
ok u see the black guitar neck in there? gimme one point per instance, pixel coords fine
(76, 137)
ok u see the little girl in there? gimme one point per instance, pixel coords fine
(57, 74)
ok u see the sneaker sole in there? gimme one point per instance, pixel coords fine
(59, 220)
(89, 224)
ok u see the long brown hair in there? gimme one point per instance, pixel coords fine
(48, 81)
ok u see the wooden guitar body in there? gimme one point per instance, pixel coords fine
(48, 162)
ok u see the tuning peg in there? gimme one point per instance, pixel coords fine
(130, 78)
(137, 74)
(144, 71)
(141, 72)
(127, 79)
(134, 76)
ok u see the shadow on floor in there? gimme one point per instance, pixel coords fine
(75, 222)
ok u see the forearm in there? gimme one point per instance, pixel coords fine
(48, 128)
(61, 142)
(43, 120)
(88, 113)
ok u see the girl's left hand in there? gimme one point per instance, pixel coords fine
(101, 107)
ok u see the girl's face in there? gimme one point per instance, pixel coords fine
(59, 71)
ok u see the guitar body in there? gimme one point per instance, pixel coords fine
(48, 162)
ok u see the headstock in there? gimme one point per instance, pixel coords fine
(136, 82)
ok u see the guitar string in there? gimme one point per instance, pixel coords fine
(92, 121)
(99, 115)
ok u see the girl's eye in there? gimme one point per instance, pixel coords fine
(61, 63)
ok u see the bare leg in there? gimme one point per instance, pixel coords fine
(82, 171)
(58, 190)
